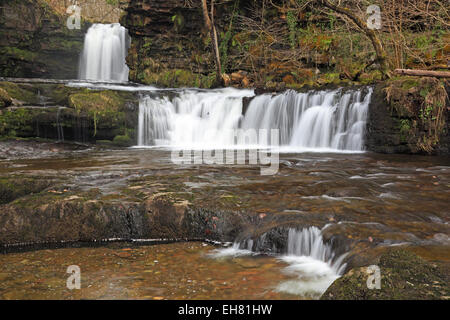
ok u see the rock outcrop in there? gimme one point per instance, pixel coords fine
(35, 41)
(169, 43)
(403, 276)
(54, 111)
(410, 115)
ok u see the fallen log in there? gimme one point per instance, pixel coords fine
(423, 73)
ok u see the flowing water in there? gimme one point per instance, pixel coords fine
(104, 53)
(326, 185)
(390, 199)
(311, 262)
(313, 121)
(169, 271)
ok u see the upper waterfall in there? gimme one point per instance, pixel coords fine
(312, 121)
(104, 53)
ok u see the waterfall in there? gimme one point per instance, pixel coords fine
(313, 121)
(309, 242)
(105, 50)
(311, 262)
(59, 125)
(194, 119)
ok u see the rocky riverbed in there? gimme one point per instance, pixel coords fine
(364, 203)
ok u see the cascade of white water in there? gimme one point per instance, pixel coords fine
(308, 242)
(104, 53)
(316, 120)
(310, 260)
(191, 120)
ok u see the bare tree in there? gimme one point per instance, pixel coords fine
(209, 22)
(381, 56)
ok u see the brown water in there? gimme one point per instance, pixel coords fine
(169, 271)
(372, 199)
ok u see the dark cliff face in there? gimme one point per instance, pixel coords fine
(35, 41)
(170, 44)
(166, 36)
(409, 115)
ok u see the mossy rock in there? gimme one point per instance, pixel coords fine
(21, 92)
(423, 103)
(5, 99)
(13, 188)
(404, 276)
(122, 141)
(96, 101)
(104, 108)
(16, 122)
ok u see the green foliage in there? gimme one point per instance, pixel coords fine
(178, 21)
(405, 128)
(423, 41)
(23, 93)
(112, 2)
(223, 48)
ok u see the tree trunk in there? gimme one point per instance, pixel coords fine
(423, 73)
(376, 43)
(209, 22)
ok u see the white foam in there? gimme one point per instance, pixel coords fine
(320, 121)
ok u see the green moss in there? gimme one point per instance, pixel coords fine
(19, 54)
(96, 101)
(103, 107)
(26, 93)
(5, 99)
(122, 141)
(15, 187)
(420, 104)
(16, 122)
(404, 275)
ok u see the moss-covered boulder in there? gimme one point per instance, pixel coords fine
(404, 276)
(123, 141)
(106, 111)
(23, 93)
